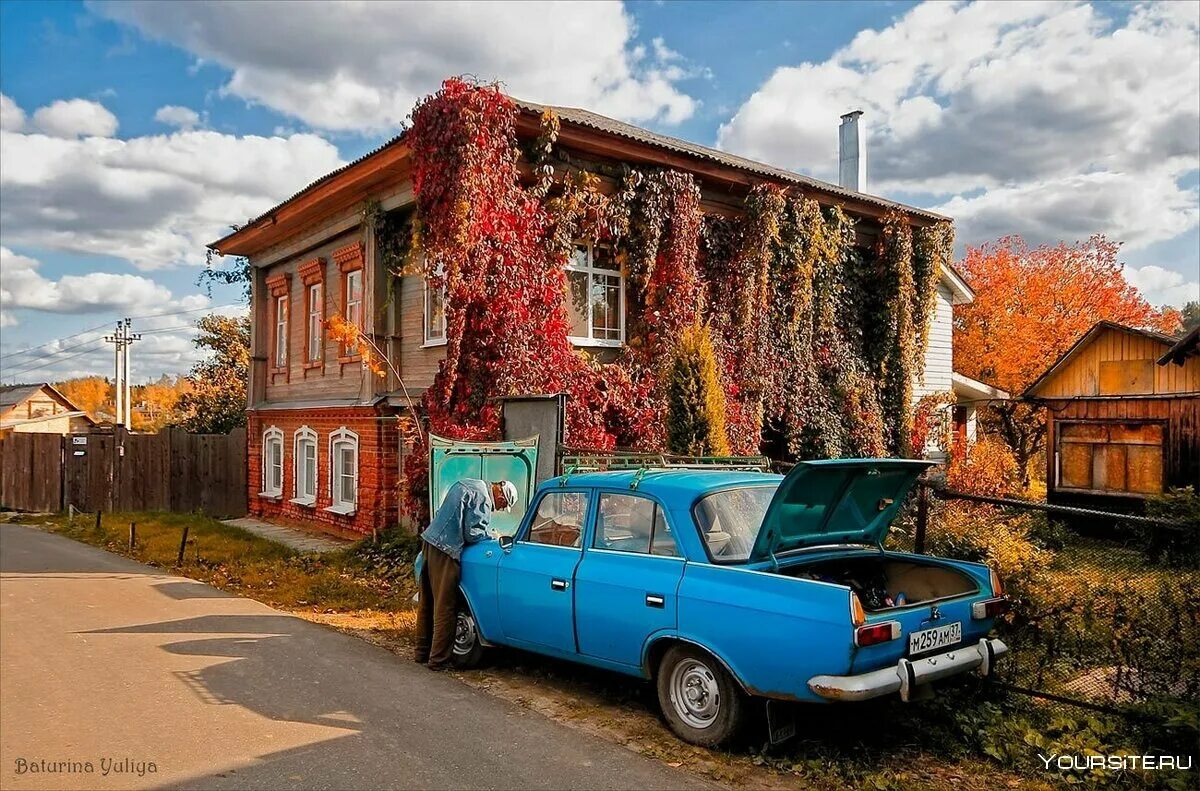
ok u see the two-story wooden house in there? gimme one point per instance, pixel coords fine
(324, 439)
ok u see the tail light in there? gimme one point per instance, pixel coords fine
(875, 633)
(990, 608)
(997, 586)
(858, 616)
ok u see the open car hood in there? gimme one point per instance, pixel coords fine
(835, 501)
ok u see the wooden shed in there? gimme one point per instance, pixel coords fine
(1123, 418)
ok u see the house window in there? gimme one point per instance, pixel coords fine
(281, 326)
(343, 471)
(354, 297)
(1110, 457)
(272, 463)
(305, 459)
(435, 313)
(595, 297)
(316, 322)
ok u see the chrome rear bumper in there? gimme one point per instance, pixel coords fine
(908, 674)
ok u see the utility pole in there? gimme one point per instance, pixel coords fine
(122, 338)
(129, 339)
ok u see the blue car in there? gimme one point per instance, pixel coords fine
(723, 586)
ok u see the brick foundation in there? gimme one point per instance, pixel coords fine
(378, 466)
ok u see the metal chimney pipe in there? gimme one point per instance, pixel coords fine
(852, 152)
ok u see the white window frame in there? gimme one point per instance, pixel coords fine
(281, 331)
(356, 304)
(342, 436)
(592, 272)
(273, 434)
(304, 434)
(315, 296)
(432, 338)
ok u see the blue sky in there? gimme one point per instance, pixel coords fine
(135, 133)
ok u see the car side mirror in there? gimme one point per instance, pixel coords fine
(506, 543)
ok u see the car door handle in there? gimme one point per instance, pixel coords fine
(559, 585)
(655, 600)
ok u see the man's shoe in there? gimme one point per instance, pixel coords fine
(421, 660)
(438, 668)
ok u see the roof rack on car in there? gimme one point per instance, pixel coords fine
(644, 463)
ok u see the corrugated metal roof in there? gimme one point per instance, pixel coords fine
(11, 395)
(600, 123)
(636, 133)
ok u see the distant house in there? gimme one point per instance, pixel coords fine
(39, 409)
(970, 396)
(1123, 416)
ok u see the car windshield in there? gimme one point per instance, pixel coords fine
(729, 520)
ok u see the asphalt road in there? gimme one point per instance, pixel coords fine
(115, 675)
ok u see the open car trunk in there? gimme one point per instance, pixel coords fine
(883, 582)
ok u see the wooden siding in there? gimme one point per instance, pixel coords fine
(333, 378)
(939, 357)
(1121, 363)
(1179, 417)
(418, 363)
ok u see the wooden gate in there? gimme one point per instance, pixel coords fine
(88, 472)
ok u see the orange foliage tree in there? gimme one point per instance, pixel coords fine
(1031, 304)
(92, 394)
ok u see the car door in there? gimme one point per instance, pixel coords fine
(626, 582)
(536, 576)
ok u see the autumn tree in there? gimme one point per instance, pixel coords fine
(92, 394)
(155, 403)
(1031, 304)
(217, 401)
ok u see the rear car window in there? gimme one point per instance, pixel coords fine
(729, 521)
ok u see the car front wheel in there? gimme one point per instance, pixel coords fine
(468, 648)
(699, 699)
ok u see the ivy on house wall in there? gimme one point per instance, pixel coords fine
(815, 342)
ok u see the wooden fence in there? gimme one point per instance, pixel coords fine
(168, 471)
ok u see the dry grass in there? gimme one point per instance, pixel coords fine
(235, 560)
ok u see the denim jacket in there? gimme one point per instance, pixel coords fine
(462, 518)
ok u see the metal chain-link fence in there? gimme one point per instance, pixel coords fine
(1106, 607)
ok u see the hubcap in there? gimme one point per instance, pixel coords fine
(464, 633)
(695, 693)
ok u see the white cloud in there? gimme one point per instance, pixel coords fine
(22, 286)
(1046, 119)
(75, 118)
(12, 117)
(361, 66)
(174, 115)
(154, 201)
(1163, 286)
(166, 322)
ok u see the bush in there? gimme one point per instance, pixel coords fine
(393, 554)
(1178, 547)
(695, 399)
(984, 467)
(988, 535)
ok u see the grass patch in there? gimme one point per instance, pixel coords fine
(235, 560)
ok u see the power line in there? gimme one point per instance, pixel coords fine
(52, 361)
(105, 324)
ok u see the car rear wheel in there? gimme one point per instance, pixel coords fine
(467, 651)
(699, 699)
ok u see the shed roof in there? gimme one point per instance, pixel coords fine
(1083, 342)
(1185, 347)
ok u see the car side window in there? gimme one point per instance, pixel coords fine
(559, 520)
(629, 523)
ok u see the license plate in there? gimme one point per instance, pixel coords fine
(927, 640)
